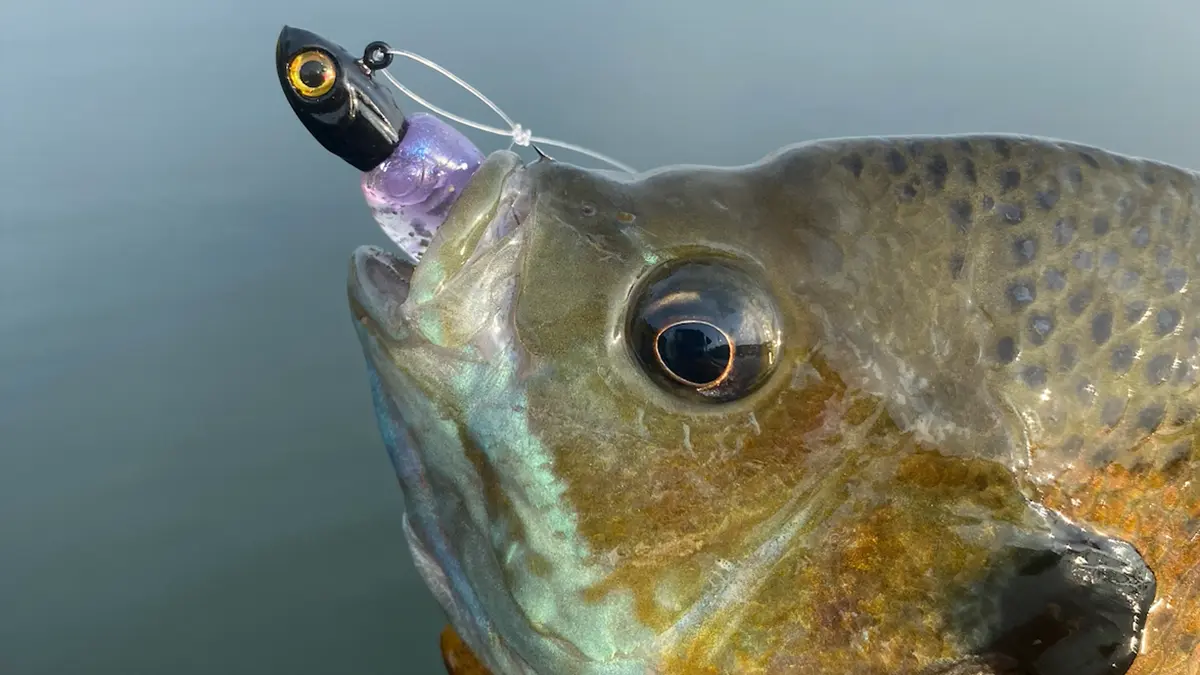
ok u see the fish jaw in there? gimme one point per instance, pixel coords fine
(430, 462)
(446, 389)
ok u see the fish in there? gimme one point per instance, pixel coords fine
(877, 405)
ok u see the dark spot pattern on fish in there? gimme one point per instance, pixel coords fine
(1064, 230)
(1112, 411)
(1141, 237)
(1010, 179)
(1047, 199)
(1175, 279)
(1126, 205)
(1158, 369)
(1122, 358)
(1151, 417)
(1185, 415)
(968, 169)
(1006, 350)
(1003, 147)
(1101, 225)
(1136, 310)
(853, 163)
(1040, 327)
(1126, 280)
(1102, 325)
(1074, 176)
(1068, 357)
(957, 262)
(1166, 320)
(897, 164)
(937, 170)
(1089, 159)
(1011, 214)
(1079, 301)
(1025, 250)
(1162, 256)
(1054, 279)
(960, 214)
(1034, 376)
(1021, 294)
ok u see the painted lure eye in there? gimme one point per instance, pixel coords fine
(312, 73)
(704, 328)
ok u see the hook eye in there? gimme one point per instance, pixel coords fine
(377, 56)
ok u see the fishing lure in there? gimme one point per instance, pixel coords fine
(413, 167)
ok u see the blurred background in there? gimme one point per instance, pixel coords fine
(191, 480)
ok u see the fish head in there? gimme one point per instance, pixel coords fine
(626, 446)
(336, 98)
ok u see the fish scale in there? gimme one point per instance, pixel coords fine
(1051, 242)
(1091, 378)
(1079, 261)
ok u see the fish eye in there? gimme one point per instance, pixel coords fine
(704, 329)
(312, 73)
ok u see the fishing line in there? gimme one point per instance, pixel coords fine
(378, 56)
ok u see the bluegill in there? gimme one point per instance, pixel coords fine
(876, 405)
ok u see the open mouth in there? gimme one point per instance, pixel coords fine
(386, 293)
(381, 280)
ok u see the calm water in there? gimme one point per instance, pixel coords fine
(190, 476)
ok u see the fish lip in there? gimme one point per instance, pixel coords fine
(379, 285)
(380, 281)
(517, 196)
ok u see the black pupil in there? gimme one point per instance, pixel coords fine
(694, 351)
(312, 73)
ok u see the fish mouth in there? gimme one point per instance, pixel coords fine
(390, 297)
(381, 281)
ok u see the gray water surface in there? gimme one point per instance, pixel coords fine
(190, 476)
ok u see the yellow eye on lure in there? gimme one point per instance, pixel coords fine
(414, 168)
(312, 73)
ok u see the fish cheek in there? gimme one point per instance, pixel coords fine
(665, 498)
(881, 591)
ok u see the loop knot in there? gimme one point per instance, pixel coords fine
(521, 136)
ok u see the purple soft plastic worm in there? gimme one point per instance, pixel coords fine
(411, 191)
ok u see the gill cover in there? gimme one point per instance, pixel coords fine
(334, 95)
